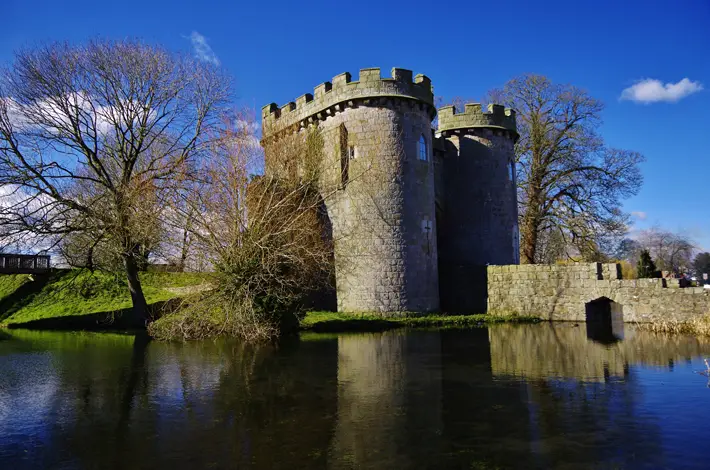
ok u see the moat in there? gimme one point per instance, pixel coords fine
(508, 396)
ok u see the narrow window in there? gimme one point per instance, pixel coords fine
(351, 152)
(344, 156)
(423, 154)
(426, 228)
(511, 171)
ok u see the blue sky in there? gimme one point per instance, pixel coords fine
(280, 49)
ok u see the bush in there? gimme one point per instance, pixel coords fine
(264, 274)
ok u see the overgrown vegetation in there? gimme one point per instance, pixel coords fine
(265, 237)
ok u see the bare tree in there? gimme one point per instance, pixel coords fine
(93, 140)
(672, 251)
(569, 181)
(551, 247)
(264, 236)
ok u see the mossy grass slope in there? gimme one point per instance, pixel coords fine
(9, 283)
(71, 293)
(335, 321)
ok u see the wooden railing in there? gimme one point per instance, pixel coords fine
(23, 264)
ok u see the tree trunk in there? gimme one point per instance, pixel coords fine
(90, 259)
(140, 306)
(528, 242)
(185, 249)
(531, 224)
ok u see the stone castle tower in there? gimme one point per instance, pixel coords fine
(411, 209)
(477, 201)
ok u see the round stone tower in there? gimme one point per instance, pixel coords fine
(478, 217)
(376, 175)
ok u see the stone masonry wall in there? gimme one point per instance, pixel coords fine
(386, 257)
(481, 210)
(329, 98)
(561, 292)
(478, 208)
(378, 193)
(473, 116)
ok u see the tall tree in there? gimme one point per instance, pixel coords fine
(94, 138)
(701, 264)
(568, 180)
(645, 267)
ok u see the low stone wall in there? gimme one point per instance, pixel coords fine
(561, 292)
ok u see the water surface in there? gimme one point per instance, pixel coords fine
(532, 396)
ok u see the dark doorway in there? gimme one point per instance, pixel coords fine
(325, 298)
(605, 321)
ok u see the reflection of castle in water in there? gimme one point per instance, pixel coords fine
(442, 399)
(381, 377)
(399, 399)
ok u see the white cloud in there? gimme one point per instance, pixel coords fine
(654, 91)
(49, 115)
(639, 215)
(202, 50)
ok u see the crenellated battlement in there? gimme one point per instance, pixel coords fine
(331, 97)
(474, 116)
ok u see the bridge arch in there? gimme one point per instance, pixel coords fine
(605, 320)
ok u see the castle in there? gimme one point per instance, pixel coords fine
(416, 212)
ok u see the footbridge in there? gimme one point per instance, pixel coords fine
(23, 264)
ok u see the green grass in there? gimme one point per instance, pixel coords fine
(335, 321)
(9, 283)
(76, 292)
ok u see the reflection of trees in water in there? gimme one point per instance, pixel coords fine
(277, 405)
(140, 404)
(80, 399)
(401, 399)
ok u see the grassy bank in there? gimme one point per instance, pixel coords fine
(75, 299)
(342, 322)
(71, 294)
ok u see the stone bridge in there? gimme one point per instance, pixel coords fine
(572, 292)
